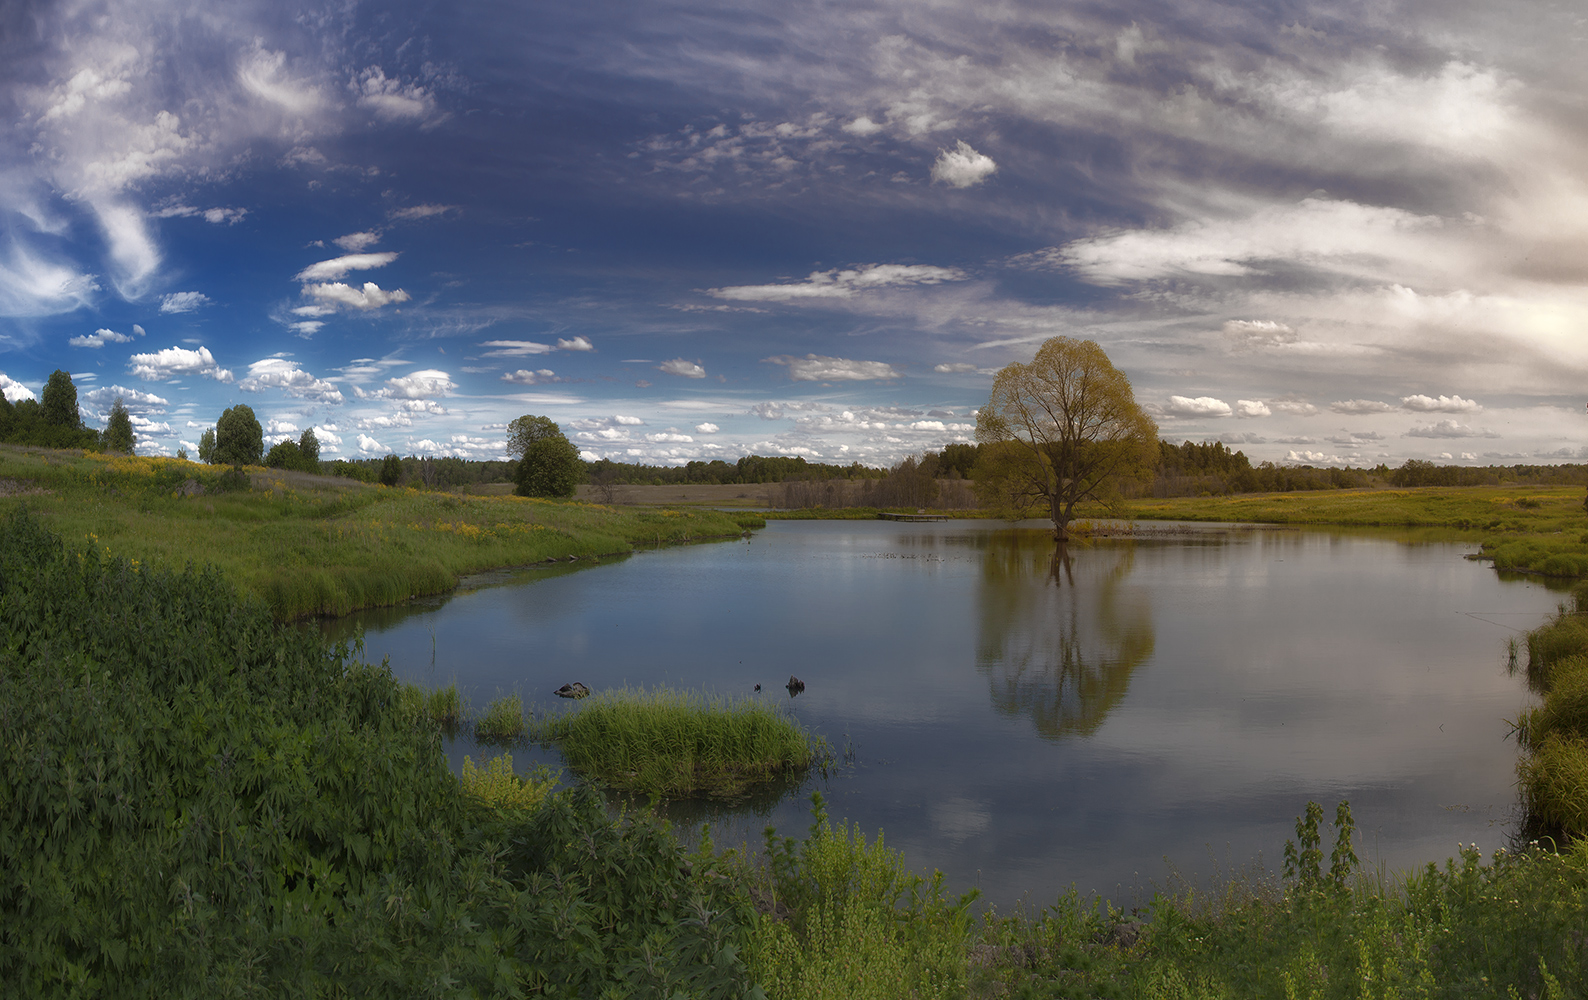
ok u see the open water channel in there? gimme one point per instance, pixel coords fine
(1026, 722)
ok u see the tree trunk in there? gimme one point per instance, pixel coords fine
(1061, 521)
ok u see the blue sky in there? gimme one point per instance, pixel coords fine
(1320, 232)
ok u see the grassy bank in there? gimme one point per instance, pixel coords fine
(319, 545)
(678, 744)
(1553, 771)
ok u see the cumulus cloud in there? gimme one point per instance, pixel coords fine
(842, 284)
(338, 267)
(425, 384)
(707, 428)
(280, 373)
(1358, 407)
(1293, 405)
(526, 377)
(777, 410)
(576, 344)
(962, 166)
(357, 242)
(14, 391)
(99, 338)
(183, 302)
(669, 436)
(1313, 458)
(1448, 429)
(371, 296)
(679, 366)
(368, 446)
(174, 362)
(1252, 408)
(1439, 404)
(104, 397)
(1200, 406)
(820, 368)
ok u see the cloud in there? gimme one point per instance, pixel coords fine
(279, 373)
(526, 377)
(1313, 458)
(778, 410)
(354, 243)
(679, 366)
(515, 348)
(842, 284)
(368, 446)
(1293, 405)
(954, 368)
(31, 285)
(390, 99)
(337, 267)
(1448, 429)
(1201, 406)
(414, 212)
(669, 436)
(420, 385)
(707, 428)
(1252, 408)
(962, 166)
(183, 302)
(13, 390)
(99, 338)
(177, 361)
(369, 297)
(1439, 404)
(576, 344)
(1358, 407)
(104, 397)
(820, 368)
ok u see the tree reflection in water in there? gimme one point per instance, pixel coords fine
(1060, 633)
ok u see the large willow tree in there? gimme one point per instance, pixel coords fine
(1061, 429)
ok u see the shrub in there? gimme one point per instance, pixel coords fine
(498, 786)
(503, 721)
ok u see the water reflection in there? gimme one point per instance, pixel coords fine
(1061, 632)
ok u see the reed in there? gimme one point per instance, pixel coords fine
(674, 743)
(503, 721)
(1553, 772)
(442, 706)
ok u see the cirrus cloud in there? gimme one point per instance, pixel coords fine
(820, 368)
(842, 284)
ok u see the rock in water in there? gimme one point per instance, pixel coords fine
(795, 685)
(574, 690)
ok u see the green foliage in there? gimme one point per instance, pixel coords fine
(391, 470)
(195, 801)
(1553, 771)
(503, 721)
(497, 786)
(309, 448)
(443, 707)
(675, 743)
(118, 429)
(526, 430)
(1304, 855)
(59, 401)
(239, 440)
(289, 454)
(550, 468)
(859, 924)
(206, 448)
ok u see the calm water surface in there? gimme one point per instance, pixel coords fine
(1025, 722)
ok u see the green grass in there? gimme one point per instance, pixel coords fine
(442, 706)
(1553, 771)
(314, 545)
(680, 744)
(503, 721)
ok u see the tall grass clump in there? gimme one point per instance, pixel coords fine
(844, 919)
(1553, 771)
(503, 721)
(196, 801)
(675, 743)
(441, 706)
(498, 786)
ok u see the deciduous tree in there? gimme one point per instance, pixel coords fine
(118, 429)
(526, 430)
(60, 401)
(550, 466)
(239, 440)
(1060, 429)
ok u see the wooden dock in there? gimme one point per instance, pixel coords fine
(889, 516)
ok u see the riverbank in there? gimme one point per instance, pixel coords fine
(315, 545)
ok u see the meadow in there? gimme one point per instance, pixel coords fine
(318, 545)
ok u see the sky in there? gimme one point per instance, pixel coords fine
(1322, 233)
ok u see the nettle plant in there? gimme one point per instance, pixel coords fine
(1304, 855)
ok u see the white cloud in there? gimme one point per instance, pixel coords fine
(1252, 408)
(1357, 407)
(369, 297)
(183, 302)
(515, 348)
(1293, 406)
(679, 366)
(1313, 458)
(576, 344)
(707, 428)
(1448, 429)
(962, 166)
(1439, 404)
(391, 99)
(279, 373)
(368, 446)
(14, 391)
(841, 284)
(306, 328)
(862, 126)
(30, 285)
(1200, 406)
(669, 436)
(337, 267)
(820, 368)
(99, 338)
(176, 361)
(955, 368)
(526, 377)
(420, 385)
(627, 421)
(356, 242)
(414, 212)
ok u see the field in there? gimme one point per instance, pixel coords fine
(312, 545)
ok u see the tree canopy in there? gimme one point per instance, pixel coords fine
(239, 440)
(1062, 428)
(60, 401)
(550, 466)
(118, 429)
